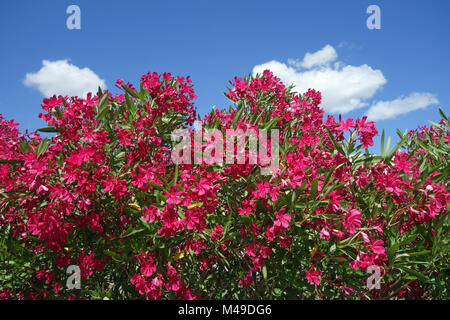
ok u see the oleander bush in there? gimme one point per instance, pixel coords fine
(100, 191)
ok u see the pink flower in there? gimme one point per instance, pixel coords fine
(147, 268)
(202, 187)
(285, 242)
(244, 211)
(401, 162)
(56, 287)
(150, 213)
(377, 247)
(325, 234)
(346, 125)
(263, 188)
(173, 196)
(117, 187)
(274, 192)
(216, 234)
(247, 280)
(347, 290)
(265, 252)
(352, 220)
(364, 126)
(282, 219)
(367, 131)
(173, 280)
(313, 276)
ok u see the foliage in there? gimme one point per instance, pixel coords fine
(102, 193)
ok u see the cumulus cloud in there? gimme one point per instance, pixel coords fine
(349, 45)
(344, 87)
(318, 58)
(62, 78)
(390, 109)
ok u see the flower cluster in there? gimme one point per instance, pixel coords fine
(101, 192)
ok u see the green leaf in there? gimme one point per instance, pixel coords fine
(413, 273)
(271, 123)
(49, 129)
(419, 253)
(102, 108)
(103, 101)
(156, 186)
(398, 146)
(131, 232)
(334, 142)
(11, 161)
(434, 124)
(245, 219)
(328, 176)
(142, 93)
(146, 224)
(42, 147)
(388, 147)
(443, 114)
(237, 115)
(393, 250)
(175, 178)
(117, 257)
(130, 92)
(409, 239)
(264, 272)
(314, 185)
(100, 92)
(293, 199)
(277, 292)
(131, 107)
(257, 117)
(24, 146)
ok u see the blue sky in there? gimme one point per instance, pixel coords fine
(213, 41)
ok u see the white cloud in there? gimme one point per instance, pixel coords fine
(344, 87)
(390, 109)
(349, 45)
(62, 78)
(318, 58)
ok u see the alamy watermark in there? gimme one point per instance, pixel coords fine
(74, 280)
(374, 20)
(74, 20)
(373, 282)
(210, 147)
